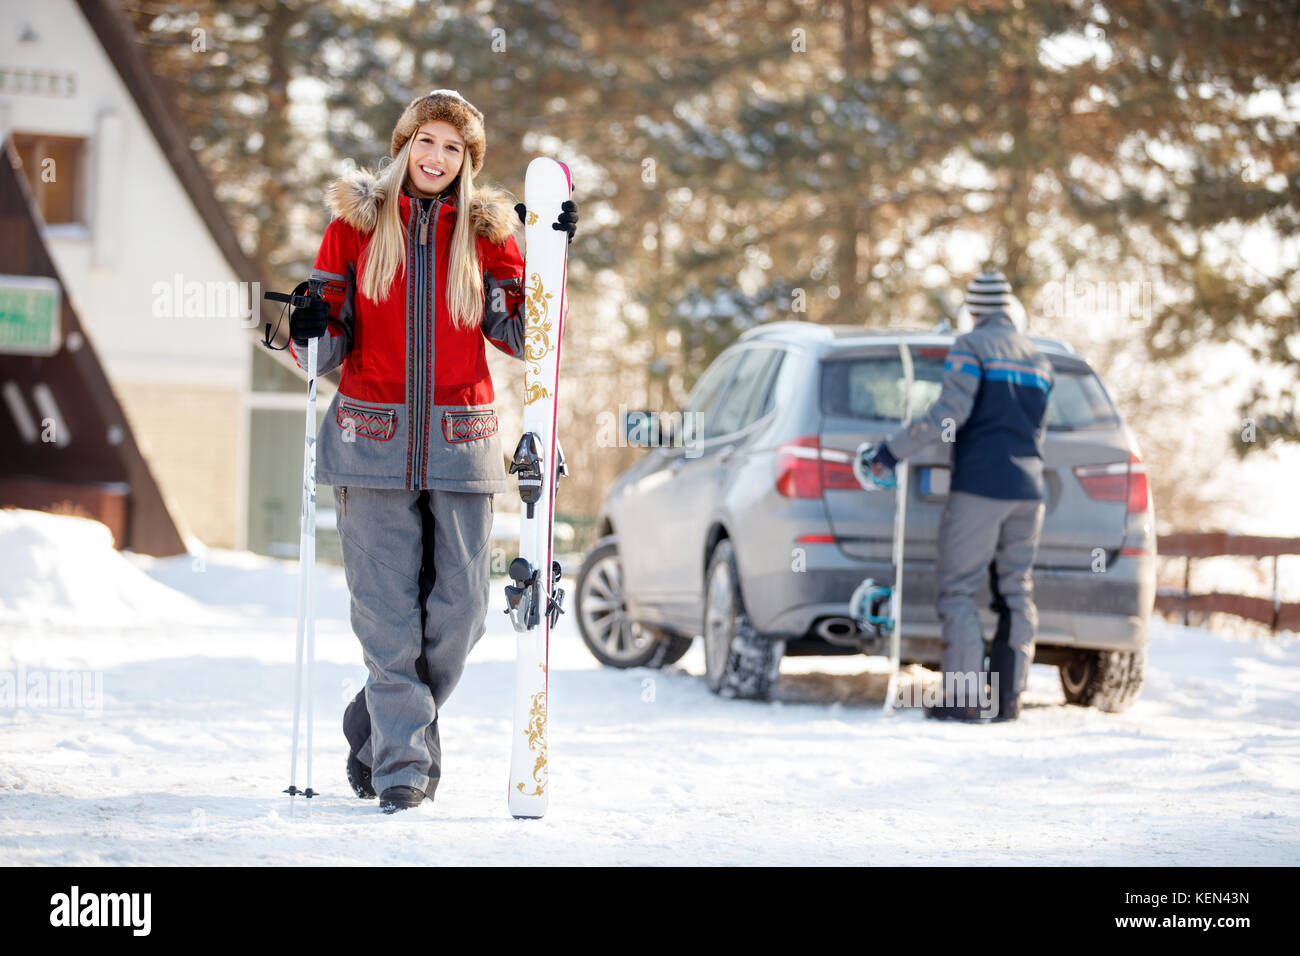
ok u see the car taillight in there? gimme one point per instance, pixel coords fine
(804, 469)
(1138, 495)
(837, 471)
(1124, 481)
(1104, 482)
(798, 468)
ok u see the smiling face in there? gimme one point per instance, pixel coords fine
(437, 153)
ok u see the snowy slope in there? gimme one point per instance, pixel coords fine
(183, 759)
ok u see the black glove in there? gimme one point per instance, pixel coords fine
(309, 322)
(873, 466)
(567, 221)
(885, 457)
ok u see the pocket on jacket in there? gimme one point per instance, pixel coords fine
(379, 424)
(469, 425)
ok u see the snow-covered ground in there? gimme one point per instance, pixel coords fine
(170, 744)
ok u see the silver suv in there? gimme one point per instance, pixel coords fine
(750, 529)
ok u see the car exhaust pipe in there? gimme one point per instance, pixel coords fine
(838, 630)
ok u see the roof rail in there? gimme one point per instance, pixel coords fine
(788, 325)
(1060, 344)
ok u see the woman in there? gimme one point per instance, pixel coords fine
(421, 267)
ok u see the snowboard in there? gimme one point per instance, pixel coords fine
(878, 610)
(533, 599)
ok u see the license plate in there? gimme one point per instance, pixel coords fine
(934, 482)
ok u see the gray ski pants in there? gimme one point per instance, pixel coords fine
(973, 531)
(417, 565)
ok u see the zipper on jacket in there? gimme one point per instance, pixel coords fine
(416, 275)
(343, 500)
(419, 399)
(432, 304)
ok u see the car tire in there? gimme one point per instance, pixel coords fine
(1107, 680)
(609, 635)
(738, 661)
(674, 647)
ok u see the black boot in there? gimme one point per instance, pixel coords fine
(359, 778)
(950, 712)
(400, 798)
(1002, 662)
(1008, 708)
(356, 728)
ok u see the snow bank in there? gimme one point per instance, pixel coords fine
(59, 569)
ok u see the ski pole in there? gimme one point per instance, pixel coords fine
(306, 564)
(306, 542)
(308, 559)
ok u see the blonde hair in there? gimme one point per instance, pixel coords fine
(387, 249)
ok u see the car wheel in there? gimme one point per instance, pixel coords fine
(602, 616)
(738, 662)
(1107, 680)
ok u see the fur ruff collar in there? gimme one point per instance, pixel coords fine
(356, 197)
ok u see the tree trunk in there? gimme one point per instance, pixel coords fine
(277, 147)
(852, 269)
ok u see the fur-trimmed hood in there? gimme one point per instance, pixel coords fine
(356, 197)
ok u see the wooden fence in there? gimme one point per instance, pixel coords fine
(1214, 544)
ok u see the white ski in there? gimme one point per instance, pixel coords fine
(900, 530)
(533, 600)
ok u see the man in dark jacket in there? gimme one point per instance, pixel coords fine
(994, 405)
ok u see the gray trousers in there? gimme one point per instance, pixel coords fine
(417, 565)
(975, 530)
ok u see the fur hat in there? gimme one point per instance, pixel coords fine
(448, 106)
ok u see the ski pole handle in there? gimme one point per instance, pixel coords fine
(297, 301)
(314, 287)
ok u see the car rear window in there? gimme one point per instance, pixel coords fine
(871, 387)
(1079, 401)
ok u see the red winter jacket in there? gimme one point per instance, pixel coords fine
(414, 405)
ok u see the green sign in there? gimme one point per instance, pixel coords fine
(29, 315)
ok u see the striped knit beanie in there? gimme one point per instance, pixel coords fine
(988, 292)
